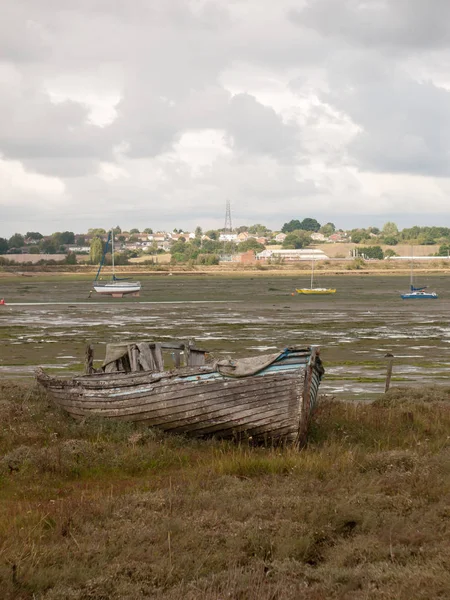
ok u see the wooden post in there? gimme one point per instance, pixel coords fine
(390, 362)
(89, 360)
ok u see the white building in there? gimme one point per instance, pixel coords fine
(228, 237)
(292, 255)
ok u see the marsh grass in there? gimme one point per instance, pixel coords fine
(99, 510)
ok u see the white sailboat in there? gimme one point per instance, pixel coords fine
(315, 290)
(115, 287)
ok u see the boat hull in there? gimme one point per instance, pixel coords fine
(118, 290)
(320, 291)
(419, 296)
(272, 406)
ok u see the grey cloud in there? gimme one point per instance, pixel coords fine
(151, 125)
(405, 125)
(258, 129)
(377, 23)
(49, 138)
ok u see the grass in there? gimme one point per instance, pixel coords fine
(97, 510)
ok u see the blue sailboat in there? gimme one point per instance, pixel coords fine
(417, 293)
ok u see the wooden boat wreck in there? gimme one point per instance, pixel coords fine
(268, 399)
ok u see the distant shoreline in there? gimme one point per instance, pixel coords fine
(371, 268)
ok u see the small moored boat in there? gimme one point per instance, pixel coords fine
(417, 293)
(315, 290)
(267, 398)
(115, 287)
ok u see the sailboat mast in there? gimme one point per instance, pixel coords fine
(112, 253)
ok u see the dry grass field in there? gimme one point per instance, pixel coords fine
(103, 511)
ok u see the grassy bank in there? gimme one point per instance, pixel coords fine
(102, 511)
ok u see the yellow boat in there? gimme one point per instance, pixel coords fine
(315, 290)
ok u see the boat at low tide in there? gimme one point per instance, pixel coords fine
(268, 398)
(115, 287)
(417, 293)
(315, 290)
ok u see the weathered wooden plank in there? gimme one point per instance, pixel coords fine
(145, 357)
(157, 357)
(178, 405)
(89, 360)
(133, 356)
(178, 402)
(196, 358)
(267, 421)
(184, 395)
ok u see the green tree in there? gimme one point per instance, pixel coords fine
(48, 246)
(3, 245)
(444, 250)
(212, 234)
(148, 230)
(211, 247)
(97, 231)
(96, 251)
(390, 240)
(251, 244)
(371, 252)
(34, 249)
(389, 253)
(359, 235)
(198, 231)
(328, 229)
(134, 230)
(63, 238)
(296, 240)
(258, 229)
(34, 235)
(309, 224)
(293, 225)
(16, 241)
(71, 258)
(390, 229)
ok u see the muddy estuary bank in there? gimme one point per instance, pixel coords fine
(47, 321)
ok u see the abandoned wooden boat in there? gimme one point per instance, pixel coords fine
(266, 398)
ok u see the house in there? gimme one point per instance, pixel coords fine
(339, 236)
(280, 237)
(243, 236)
(158, 237)
(79, 249)
(318, 237)
(228, 237)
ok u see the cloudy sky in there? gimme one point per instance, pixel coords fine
(152, 113)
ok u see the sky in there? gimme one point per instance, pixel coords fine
(154, 113)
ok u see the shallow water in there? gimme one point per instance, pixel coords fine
(48, 323)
